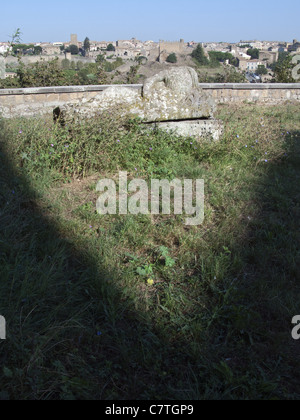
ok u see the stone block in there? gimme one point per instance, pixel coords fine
(199, 129)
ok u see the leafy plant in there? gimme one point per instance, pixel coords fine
(164, 254)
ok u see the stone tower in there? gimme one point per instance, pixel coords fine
(74, 39)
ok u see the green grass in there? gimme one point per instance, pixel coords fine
(144, 307)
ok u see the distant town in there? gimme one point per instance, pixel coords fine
(264, 54)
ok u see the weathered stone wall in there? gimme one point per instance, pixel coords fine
(263, 93)
(31, 59)
(40, 101)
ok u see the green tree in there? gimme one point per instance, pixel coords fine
(281, 57)
(102, 78)
(110, 47)
(15, 39)
(254, 53)
(261, 70)
(231, 75)
(40, 74)
(172, 58)
(199, 56)
(132, 75)
(86, 46)
(100, 58)
(74, 50)
(37, 50)
(283, 71)
(65, 64)
(141, 59)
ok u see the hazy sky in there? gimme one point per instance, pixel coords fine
(192, 20)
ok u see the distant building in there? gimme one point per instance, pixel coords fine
(249, 65)
(269, 57)
(74, 40)
(295, 47)
(10, 75)
(166, 48)
(50, 49)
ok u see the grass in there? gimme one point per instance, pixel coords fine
(145, 307)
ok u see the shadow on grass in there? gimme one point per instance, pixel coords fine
(72, 335)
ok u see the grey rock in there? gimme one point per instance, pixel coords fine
(174, 94)
(211, 130)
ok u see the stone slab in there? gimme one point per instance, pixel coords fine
(199, 129)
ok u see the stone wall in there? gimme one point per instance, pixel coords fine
(31, 59)
(41, 101)
(262, 93)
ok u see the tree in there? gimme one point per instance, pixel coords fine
(199, 56)
(281, 57)
(86, 46)
(101, 75)
(141, 59)
(37, 50)
(231, 75)
(254, 53)
(132, 75)
(261, 70)
(110, 47)
(41, 73)
(74, 50)
(15, 39)
(100, 58)
(172, 58)
(283, 71)
(65, 64)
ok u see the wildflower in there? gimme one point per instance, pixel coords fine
(238, 136)
(150, 282)
(99, 333)
(20, 132)
(118, 141)
(150, 148)
(246, 145)
(52, 145)
(266, 161)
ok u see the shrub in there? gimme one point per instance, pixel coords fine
(172, 58)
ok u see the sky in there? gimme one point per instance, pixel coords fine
(169, 20)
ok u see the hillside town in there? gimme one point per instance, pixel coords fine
(147, 52)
